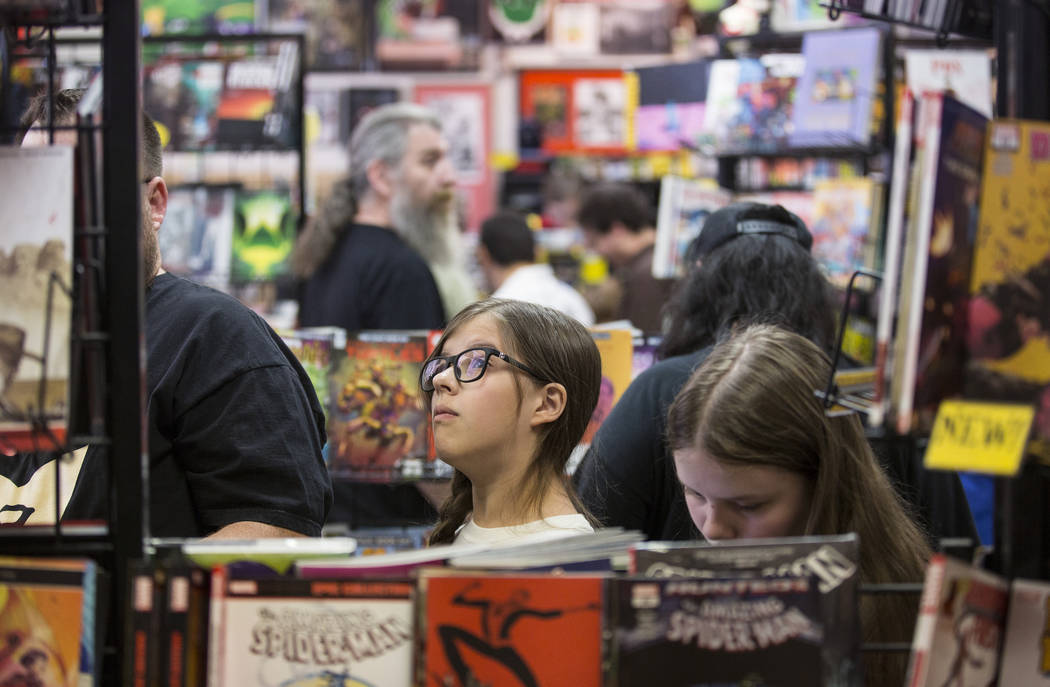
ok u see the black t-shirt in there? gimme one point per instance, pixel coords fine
(627, 477)
(235, 428)
(373, 280)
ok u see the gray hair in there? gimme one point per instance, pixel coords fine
(382, 135)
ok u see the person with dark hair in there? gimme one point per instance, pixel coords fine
(510, 388)
(757, 456)
(507, 256)
(751, 265)
(617, 223)
(235, 430)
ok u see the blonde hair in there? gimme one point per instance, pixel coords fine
(752, 402)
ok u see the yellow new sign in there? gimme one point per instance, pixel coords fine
(981, 437)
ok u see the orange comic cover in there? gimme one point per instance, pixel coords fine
(616, 347)
(377, 430)
(511, 630)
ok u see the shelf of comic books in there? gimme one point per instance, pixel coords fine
(947, 18)
(69, 236)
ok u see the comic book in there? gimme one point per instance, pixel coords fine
(181, 96)
(615, 347)
(510, 630)
(428, 35)
(292, 632)
(833, 561)
(334, 29)
(1026, 644)
(48, 621)
(197, 240)
(930, 358)
(377, 429)
(844, 226)
(264, 230)
(959, 632)
(765, 100)
(1009, 324)
(315, 348)
(837, 89)
(635, 26)
(646, 348)
(183, 624)
(684, 205)
(36, 310)
(965, 74)
(670, 112)
(197, 17)
(259, 107)
(714, 632)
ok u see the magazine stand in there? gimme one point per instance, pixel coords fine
(106, 262)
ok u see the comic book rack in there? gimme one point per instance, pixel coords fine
(106, 261)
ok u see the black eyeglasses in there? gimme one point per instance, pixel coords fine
(469, 366)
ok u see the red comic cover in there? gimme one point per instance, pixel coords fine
(511, 630)
(377, 429)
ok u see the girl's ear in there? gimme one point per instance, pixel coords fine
(550, 406)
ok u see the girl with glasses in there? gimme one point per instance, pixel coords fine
(510, 388)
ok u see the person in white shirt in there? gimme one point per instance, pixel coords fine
(507, 257)
(510, 388)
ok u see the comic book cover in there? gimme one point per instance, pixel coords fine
(194, 17)
(694, 632)
(287, 632)
(510, 630)
(377, 429)
(958, 636)
(833, 561)
(182, 97)
(644, 352)
(1009, 324)
(837, 89)
(334, 29)
(315, 349)
(428, 34)
(842, 226)
(259, 106)
(934, 340)
(684, 206)
(615, 347)
(36, 276)
(966, 74)
(197, 240)
(765, 99)
(635, 26)
(1026, 644)
(47, 620)
(264, 225)
(670, 112)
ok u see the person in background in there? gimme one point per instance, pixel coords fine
(369, 260)
(757, 456)
(507, 257)
(751, 264)
(235, 430)
(364, 258)
(510, 388)
(617, 223)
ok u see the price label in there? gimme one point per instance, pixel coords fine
(980, 437)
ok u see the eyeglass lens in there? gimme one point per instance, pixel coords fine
(470, 365)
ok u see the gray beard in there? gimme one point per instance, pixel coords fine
(430, 231)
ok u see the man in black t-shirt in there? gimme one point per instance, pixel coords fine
(380, 255)
(235, 429)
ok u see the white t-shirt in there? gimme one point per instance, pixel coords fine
(537, 284)
(471, 533)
